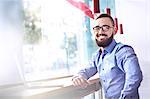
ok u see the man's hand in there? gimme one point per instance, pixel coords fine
(80, 81)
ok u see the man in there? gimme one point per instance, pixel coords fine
(116, 63)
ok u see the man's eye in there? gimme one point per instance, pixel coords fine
(106, 26)
(97, 27)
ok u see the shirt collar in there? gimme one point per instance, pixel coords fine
(111, 46)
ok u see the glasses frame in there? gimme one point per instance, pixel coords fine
(104, 28)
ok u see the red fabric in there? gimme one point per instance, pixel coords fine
(82, 6)
(96, 6)
(121, 29)
(116, 24)
(108, 11)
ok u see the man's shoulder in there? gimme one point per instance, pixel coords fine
(123, 47)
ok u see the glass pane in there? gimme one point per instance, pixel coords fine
(52, 40)
(108, 4)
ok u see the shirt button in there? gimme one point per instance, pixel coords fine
(103, 80)
(103, 69)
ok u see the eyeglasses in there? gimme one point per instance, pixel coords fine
(104, 28)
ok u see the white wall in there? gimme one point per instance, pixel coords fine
(135, 16)
(10, 41)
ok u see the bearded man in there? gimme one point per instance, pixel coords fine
(116, 63)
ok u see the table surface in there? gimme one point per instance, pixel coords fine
(56, 89)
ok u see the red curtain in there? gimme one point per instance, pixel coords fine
(82, 6)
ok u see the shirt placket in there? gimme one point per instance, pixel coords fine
(102, 70)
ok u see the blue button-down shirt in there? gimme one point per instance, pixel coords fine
(119, 71)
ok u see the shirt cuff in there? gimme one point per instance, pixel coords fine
(83, 75)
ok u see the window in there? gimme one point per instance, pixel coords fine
(108, 4)
(54, 39)
(10, 41)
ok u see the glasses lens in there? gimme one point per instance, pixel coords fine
(105, 28)
(96, 28)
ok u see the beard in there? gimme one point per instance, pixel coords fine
(104, 43)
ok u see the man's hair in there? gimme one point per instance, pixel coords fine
(107, 16)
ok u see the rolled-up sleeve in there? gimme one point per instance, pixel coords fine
(91, 68)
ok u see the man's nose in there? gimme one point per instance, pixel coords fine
(100, 32)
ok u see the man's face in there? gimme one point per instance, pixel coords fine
(103, 31)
